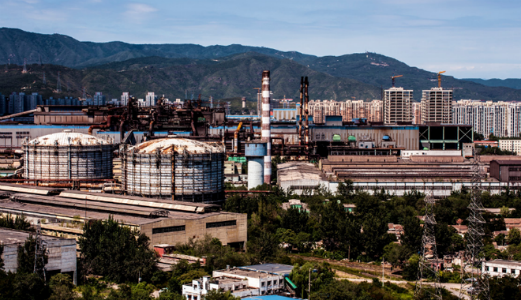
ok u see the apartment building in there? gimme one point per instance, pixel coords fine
(397, 105)
(499, 118)
(513, 145)
(436, 106)
(349, 110)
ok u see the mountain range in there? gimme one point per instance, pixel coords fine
(218, 71)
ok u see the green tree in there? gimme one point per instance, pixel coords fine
(412, 234)
(26, 257)
(396, 254)
(219, 295)
(345, 189)
(61, 287)
(514, 236)
(321, 274)
(18, 222)
(112, 250)
(30, 287)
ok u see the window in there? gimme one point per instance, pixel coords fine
(495, 269)
(504, 270)
(263, 284)
(487, 268)
(168, 229)
(269, 282)
(513, 271)
(221, 224)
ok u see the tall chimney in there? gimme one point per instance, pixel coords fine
(306, 112)
(266, 129)
(301, 111)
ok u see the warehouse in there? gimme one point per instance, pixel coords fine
(163, 221)
(61, 252)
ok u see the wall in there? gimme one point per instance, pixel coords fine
(196, 228)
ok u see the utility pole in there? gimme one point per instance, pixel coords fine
(383, 274)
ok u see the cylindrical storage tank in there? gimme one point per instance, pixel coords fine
(177, 168)
(255, 153)
(67, 155)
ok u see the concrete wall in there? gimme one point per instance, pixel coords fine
(61, 255)
(196, 228)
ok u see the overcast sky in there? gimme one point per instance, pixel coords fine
(467, 38)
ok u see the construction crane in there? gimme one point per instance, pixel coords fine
(439, 78)
(393, 77)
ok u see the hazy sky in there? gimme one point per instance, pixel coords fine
(468, 38)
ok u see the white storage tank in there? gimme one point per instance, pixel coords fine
(255, 153)
(177, 168)
(67, 155)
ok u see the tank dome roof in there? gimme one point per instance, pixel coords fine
(351, 138)
(166, 145)
(67, 138)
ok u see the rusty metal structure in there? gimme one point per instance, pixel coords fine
(177, 168)
(67, 156)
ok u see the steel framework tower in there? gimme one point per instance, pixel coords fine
(428, 249)
(476, 284)
(39, 253)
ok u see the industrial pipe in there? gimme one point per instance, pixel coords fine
(236, 138)
(266, 126)
(103, 126)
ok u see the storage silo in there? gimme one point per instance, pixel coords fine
(67, 155)
(183, 169)
(255, 153)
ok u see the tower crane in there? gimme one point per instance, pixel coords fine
(393, 77)
(439, 78)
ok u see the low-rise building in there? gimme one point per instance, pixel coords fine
(461, 229)
(395, 229)
(61, 252)
(501, 267)
(513, 145)
(295, 203)
(256, 280)
(506, 170)
(512, 223)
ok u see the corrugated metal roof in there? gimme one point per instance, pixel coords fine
(67, 138)
(166, 145)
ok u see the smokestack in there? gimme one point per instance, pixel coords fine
(243, 102)
(306, 112)
(266, 129)
(300, 111)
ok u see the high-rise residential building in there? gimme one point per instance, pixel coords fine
(436, 106)
(501, 118)
(99, 99)
(124, 98)
(397, 105)
(150, 99)
(16, 103)
(31, 101)
(3, 105)
(416, 113)
(349, 110)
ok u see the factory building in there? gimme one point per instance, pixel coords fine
(61, 252)
(169, 222)
(397, 105)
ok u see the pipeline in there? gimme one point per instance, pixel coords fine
(103, 126)
(236, 138)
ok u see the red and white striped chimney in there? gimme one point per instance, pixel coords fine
(266, 127)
